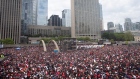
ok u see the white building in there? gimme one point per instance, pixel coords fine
(115, 29)
(86, 18)
(101, 16)
(66, 18)
(136, 35)
(42, 13)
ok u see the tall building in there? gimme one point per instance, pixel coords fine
(133, 27)
(101, 16)
(85, 19)
(10, 19)
(29, 14)
(55, 20)
(42, 18)
(137, 26)
(66, 18)
(119, 28)
(128, 25)
(110, 25)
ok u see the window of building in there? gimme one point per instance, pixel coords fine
(25, 16)
(26, 6)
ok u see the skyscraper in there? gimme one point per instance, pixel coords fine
(29, 14)
(42, 18)
(55, 20)
(66, 18)
(101, 16)
(128, 25)
(86, 18)
(110, 25)
(134, 27)
(137, 25)
(10, 19)
(119, 28)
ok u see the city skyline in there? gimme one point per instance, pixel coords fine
(113, 10)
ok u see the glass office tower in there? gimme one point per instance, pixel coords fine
(42, 18)
(86, 19)
(66, 18)
(29, 14)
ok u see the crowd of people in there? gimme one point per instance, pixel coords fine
(108, 62)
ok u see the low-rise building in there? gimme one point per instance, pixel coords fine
(136, 35)
(38, 30)
(137, 38)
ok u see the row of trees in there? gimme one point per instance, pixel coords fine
(111, 36)
(118, 36)
(84, 39)
(7, 41)
(59, 38)
(46, 40)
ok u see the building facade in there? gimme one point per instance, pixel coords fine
(85, 19)
(110, 25)
(66, 18)
(10, 19)
(42, 18)
(137, 26)
(101, 16)
(49, 31)
(114, 29)
(136, 35)
(128, 25)
(119, 28)
(29, 14)
(55, 20)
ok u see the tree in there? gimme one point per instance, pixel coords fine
(105, 35)
(8, 41)
(118, 36)
(80, 39)
(126, 42)
(60, 38)
(46, 40)
(112, 41)
(1, 40)
(129, 36)
(86, 39)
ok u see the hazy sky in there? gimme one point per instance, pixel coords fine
(113, 10)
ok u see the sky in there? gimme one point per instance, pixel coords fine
(113, 10)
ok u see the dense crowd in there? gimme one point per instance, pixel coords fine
(108, 62)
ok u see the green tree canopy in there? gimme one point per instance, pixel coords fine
(8, 41)
(1, 40)
(83, 39)
(118, 36)
(46, 40)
